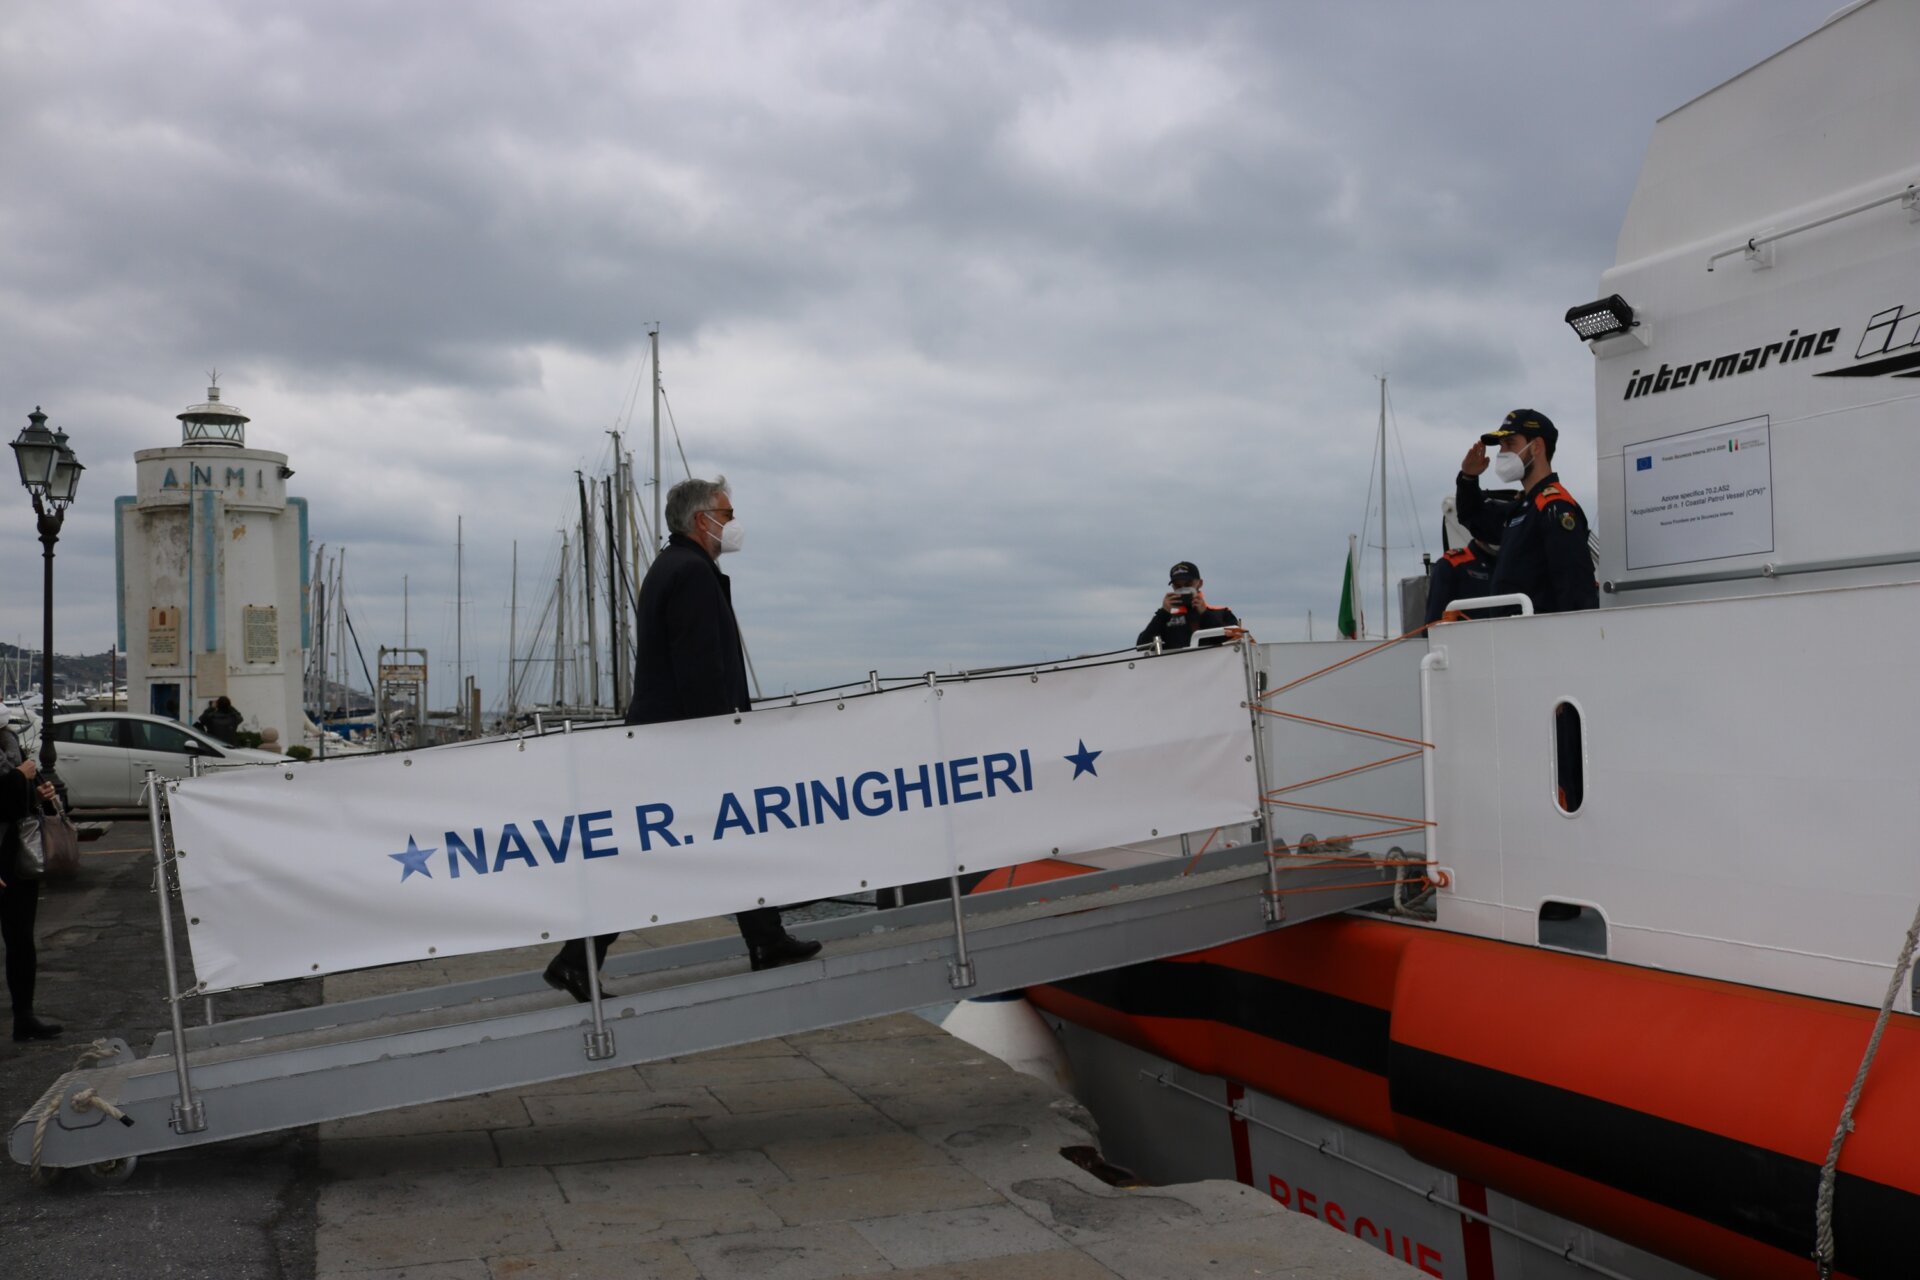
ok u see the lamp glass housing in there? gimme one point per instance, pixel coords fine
(1606, 318)
(34, 451)
(65, 480)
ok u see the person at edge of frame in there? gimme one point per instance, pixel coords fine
(21, 792)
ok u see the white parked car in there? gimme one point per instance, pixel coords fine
(103, 756)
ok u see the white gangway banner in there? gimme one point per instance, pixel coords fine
(297, 870)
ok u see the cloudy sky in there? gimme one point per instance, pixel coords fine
(990, 311)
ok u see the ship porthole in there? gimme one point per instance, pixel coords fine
(1571, 926)
(1569, 757)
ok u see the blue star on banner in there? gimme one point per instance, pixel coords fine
(1082, 761)
(413, 859)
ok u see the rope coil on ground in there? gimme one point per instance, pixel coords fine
(1829, 1172)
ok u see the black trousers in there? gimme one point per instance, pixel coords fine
(759, 927)
(19, 904)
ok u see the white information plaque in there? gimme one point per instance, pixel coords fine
(1704, 495)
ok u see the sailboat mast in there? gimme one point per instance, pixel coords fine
(653, 335)
(587, 589)
(560, 630)
(1384, 615)
(513, 617)
(459, 609)
(614, 681)
(340, 600)
(617, 541)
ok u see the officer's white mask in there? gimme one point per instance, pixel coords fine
(1510, 466)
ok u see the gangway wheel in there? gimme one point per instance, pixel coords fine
(109, 1173)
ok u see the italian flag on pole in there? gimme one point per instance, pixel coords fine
(1350, 620)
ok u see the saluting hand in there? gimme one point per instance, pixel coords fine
(1476, 460)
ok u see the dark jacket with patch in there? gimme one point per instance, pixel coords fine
(690, 662)
(1461, 574)
(1543, 549)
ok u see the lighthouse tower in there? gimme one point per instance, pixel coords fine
(212, 556)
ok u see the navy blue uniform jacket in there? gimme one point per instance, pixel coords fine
(1461, 574)
(689, 662)
(1543, 550)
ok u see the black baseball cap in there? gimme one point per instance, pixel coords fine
(1525, 422)
(1185, 569)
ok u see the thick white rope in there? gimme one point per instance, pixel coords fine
(86, 1099)
(1829, 1172)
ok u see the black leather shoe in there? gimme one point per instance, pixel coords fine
(564, 977)
(783, 950)
(34, 1029)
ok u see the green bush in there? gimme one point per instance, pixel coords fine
(245, 738)
(300, 753)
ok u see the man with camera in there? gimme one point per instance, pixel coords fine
(1184, 612)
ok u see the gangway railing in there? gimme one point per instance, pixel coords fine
(212, 1083)
(298, 1067)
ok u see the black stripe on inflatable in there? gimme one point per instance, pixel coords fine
(1333, 1027)
(1758, 1193)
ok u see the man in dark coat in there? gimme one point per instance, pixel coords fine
(221, 720)
(690, 664)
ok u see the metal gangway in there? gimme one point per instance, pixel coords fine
(244, 1076)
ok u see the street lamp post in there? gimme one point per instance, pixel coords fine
(51, 473)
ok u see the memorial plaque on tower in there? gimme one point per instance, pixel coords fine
(260, 632)
(163, 636)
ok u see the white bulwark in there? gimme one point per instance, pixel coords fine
(211, 559)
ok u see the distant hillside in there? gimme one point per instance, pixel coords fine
(20, 669)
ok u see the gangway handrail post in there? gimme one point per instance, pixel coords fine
(599, 1039)
(1435, 660)
(189, 1113)
(960, 973)
(193, 771)
(1274, 908)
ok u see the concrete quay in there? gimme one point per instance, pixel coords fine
(885, 1147)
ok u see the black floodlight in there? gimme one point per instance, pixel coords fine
(1607, 318)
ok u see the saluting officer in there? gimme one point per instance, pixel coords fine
(1543, 548)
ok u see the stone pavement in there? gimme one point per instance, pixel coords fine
(243, 1209)
(886, 1147)
(883, 1147)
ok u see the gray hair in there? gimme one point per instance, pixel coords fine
(689, 498)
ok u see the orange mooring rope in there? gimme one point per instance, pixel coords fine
(1364, 653)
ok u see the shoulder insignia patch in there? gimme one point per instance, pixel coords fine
(1567, 521)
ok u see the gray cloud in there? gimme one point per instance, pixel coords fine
(990, 312)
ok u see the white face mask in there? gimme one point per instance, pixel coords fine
(733, 536)
(1509, 467)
